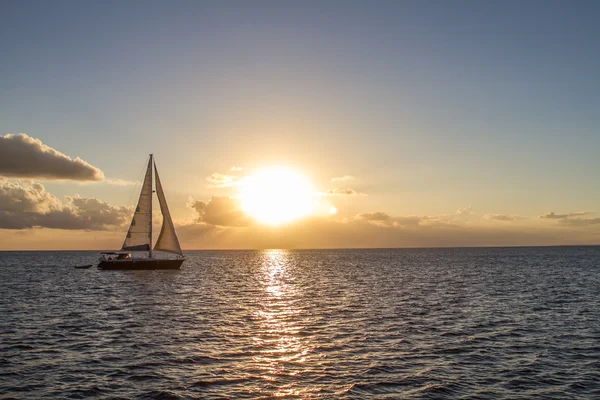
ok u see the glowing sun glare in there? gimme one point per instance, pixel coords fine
(276, 195)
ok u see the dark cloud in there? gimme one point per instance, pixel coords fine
(24, 206)
(25, 157)
(220, 210)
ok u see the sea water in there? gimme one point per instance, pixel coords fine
(409, 323)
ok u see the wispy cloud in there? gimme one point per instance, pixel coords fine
(345, 178)
(376, 216)
(552, 215)
(236, 168)
(381, 218)
(465, 211)
(503, 217)
(342, 192)
(218, 180)
(572, 219)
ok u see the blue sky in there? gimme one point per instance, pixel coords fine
(433, 105)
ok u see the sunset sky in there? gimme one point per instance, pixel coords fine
(302, 125)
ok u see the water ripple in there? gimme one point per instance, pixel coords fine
(427, 324)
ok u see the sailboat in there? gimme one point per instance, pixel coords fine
(139, 235)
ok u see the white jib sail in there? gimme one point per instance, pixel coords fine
(139, 235)
(167, 240)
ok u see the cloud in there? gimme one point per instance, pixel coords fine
(572, 219)
(376, 216)
(220, 223)
(220, 210)
(15, 197)
(236, 168)
(99, 212)
(383, 219)
(465, 211)
(22, 156)
(418, 220)
(379, 229)
(503, 217)
(218, 180)
(552, 215)
(24, 206)
(343, 192)
(344, 178)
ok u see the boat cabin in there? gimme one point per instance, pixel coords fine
(112, 256)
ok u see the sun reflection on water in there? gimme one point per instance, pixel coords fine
(283, 350)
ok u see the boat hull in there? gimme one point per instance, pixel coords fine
(140, 264)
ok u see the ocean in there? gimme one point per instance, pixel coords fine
(487, 323)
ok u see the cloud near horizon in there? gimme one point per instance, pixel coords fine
(552, 215)
(29, 205)
(503, 217)
(385, 220)
(380, 230)
(376, 216)
(220, 211)
(572, 219)
(22, 156)
(221, 223)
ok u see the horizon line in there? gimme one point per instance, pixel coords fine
(333, 248)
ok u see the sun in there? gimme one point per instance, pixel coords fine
(276, 195)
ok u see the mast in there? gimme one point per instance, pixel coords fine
(151, 191)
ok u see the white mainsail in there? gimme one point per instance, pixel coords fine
(167, 240)
(139, 235)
